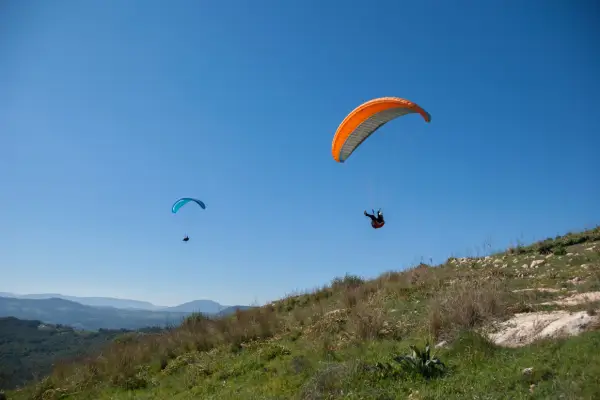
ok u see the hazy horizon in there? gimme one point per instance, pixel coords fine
(117, 298)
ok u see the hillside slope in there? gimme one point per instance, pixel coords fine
(29, 348)
(341, 341)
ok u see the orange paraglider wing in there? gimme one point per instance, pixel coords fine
(366, 119)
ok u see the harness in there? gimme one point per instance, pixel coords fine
(377, 225)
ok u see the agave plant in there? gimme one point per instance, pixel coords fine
(421, 362)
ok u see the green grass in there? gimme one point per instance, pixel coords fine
(332, 343)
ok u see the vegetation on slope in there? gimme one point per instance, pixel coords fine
(343, 340)
(29, 348)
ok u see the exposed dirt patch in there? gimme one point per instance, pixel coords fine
(525, 328)
(576, 299)
(550, 290)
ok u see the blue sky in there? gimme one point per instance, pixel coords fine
(110, 111)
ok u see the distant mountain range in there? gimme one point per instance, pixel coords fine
(90, 301)
(103, 312)
(202, 306)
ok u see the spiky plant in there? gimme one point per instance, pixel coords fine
(421, 362)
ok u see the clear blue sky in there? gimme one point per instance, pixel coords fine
(110, 111)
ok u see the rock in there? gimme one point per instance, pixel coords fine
(536, 263)
(443, 343)
(575, 281)
(525, 328)
(527, 371)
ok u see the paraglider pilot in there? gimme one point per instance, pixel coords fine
(377, 221)
(186, 238)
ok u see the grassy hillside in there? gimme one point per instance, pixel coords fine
(29, 348)
(342, 341)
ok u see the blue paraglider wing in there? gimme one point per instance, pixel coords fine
(183, 201)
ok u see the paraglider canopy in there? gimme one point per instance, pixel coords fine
(366, 119)
(362, 122)
(183, 201)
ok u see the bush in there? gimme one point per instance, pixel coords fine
(560, 250)
(347, 282)
(465, 306)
